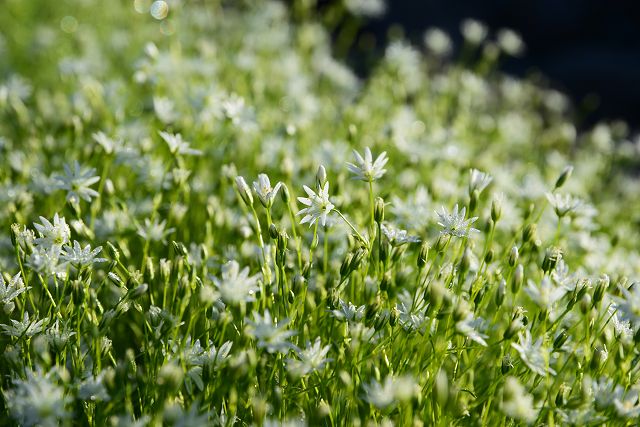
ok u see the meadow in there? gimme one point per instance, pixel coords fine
(207, 218)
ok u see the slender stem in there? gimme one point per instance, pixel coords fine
(357, 233)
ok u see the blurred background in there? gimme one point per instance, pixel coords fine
(589, 49)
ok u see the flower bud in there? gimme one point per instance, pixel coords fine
(385, 283)
(529, 232)
(115, 253)
(423, 255)
(273, 231)
(473, 200)
(321, 176)
(441, 389)
(488, 257)
(465, 262)
(552, 255)
(518, 278)
(501, 292)
(284, 193)
(496, 210)
(599, 358)
(394, 316)
(564, 176)
(138, 291)
(561, 338)
(378, 212)
(601, 287)
(244, 190)
(513, 256)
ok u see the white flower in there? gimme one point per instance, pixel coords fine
(236, 286)
(318, 205)
(628, 406)
(177, 145)
(263, 189)
(109, 145)
(438, 42)
(26, 327)
(366, 168)
(563, 204)
(9, 291)
(366, 8)
(478, 180)
(312, 358)
(628, 304)
(93, 389)
(56, 234)
(393, 390)
(348, 311)
(532, 354)
(473, 31)
(454, 223)
(516, 402)
(396, 236)
(46, 261)
(79, 256)
(271, 335)
(546, 294)
(469, 328)
(510, 42)
(154, 231)
(37, 400)
(78, 182)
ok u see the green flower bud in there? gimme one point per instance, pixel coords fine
(518, 278)
(564, 176)
(273, 231)
(345, 268)
(423, 255)
(488, 257)
(552, 255)
(441, 389)
(321, 176)
(378, 212)
(473, 200)
(513, 256)
(501, 292)
(561, 338)
(244, 190)
(496, 210)
(529, 232)
(284, 194)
